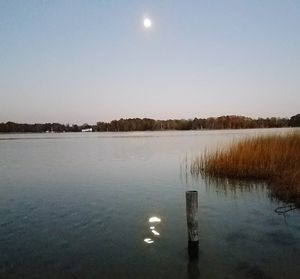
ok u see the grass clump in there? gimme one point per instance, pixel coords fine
(274, 158)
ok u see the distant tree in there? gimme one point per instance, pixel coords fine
(295, 121)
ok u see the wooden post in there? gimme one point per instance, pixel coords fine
(192, 221)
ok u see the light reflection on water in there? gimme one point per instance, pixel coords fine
(155, 232)
(153, 219)
(63, 202)
(148, 240)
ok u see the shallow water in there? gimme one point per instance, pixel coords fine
(78, 206)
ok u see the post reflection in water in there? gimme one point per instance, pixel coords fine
(193, 271)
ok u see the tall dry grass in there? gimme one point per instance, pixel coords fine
(274, 158)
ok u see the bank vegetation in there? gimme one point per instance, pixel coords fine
(274, 159)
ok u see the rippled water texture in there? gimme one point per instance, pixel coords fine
(79, 206)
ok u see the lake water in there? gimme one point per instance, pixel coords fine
(78, 205)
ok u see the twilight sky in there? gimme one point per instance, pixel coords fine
(88, 61)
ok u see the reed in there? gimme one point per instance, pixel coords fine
(274, 158)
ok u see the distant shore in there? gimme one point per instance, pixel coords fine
(147, 124)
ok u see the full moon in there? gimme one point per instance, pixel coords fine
(147, 23)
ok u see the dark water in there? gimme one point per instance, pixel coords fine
(78, 205)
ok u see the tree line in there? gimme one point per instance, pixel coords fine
(147, 124)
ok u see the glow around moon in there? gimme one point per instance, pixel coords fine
(147, 23)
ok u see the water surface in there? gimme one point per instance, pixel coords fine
(78, 206)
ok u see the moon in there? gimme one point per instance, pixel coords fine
(147, 23)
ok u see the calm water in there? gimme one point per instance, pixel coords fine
(78, 205)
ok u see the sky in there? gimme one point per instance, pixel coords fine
(88, 61)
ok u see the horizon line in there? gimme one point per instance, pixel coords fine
(166, 119)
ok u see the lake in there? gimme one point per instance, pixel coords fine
(77, 205)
